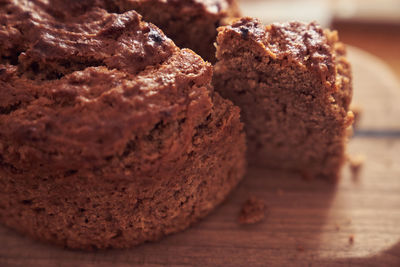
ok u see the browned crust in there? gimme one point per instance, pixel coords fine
(125, 144)
(191, 24)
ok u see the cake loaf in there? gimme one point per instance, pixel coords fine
(110, 135)
(293, 84)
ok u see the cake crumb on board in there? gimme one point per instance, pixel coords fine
(357, 111)
(300, 248)
(351, 239)
(279, 192)
(253, 211)
(355, 164)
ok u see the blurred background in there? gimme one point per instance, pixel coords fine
(372, 25)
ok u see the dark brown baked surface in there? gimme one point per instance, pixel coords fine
(189, 23)
(110, 135)
(293, 85)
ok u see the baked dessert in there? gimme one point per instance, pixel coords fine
(110, 135)
(189, 23)
(293, 84)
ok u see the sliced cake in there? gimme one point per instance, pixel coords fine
(293, 84)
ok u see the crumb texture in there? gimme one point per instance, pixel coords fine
(293, 84)
(253, 211)
(110, 135)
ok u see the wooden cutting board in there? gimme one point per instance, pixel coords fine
(309, 223)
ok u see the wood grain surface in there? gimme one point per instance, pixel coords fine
(309, 223)
(379, 39)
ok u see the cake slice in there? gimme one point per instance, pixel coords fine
(110, 135)
(293, 84)
(189, 23)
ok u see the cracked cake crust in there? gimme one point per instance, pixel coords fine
(110, 136)
(190, 23)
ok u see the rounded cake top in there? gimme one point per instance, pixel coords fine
(85, 83)
(52, 41)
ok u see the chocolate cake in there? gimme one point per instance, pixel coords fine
(110, 135)
(189, 23)
(293, 84)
